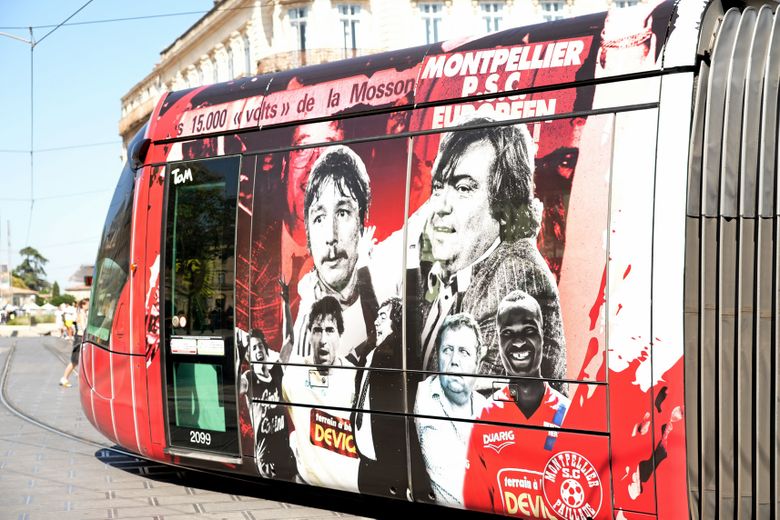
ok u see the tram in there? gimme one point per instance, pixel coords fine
(532, 273)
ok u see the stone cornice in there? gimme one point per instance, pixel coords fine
(222, 11)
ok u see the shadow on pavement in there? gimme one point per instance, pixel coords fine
(301, 495)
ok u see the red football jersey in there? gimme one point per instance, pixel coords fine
(506, 463)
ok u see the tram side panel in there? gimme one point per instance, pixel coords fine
(561, 266)
(320, 424)
(138, 390)
(116, 401)
(149, 226)
(331, 426)
(627, 309)
(301, 397)
(126, 363)
(109, 375)
(669, 244)
(557, 146)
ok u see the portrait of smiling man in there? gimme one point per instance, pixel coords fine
(526, 401)
(480, 241)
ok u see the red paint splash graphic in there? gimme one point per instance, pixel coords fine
(600, 300)
(630, 407)
(588, 363)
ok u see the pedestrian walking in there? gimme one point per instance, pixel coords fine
(80, 326)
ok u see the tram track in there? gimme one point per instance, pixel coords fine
(6, 402)
(229, 484)
(59, 355)
(107, 449)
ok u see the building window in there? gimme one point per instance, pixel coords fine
(552, 10)
(231, 72)
(492, 15)
(625, 3)
(431, 13)
(349, 14)
(247, 56)
(298, 22)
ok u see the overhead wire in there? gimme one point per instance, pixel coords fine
(71, 195)
(33, 43)
(55, 197)
(83, 241)
(133, 18)
(75, 146)
(77, 11)
(61, 148)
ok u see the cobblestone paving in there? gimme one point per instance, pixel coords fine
(44, 475)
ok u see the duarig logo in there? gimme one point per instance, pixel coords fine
(497, 441)
(179, 177)
(572, 487)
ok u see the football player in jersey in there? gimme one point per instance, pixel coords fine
(517, 454)
(321, 436)
(272, 448)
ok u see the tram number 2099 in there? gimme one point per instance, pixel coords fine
(200, 437)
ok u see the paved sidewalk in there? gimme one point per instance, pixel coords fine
(42, 329)
(44, 475)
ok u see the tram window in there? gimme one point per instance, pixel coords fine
(113, 260)
(201, 235)
(111, 278)
(196, 390)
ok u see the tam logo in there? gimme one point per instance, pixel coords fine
(179, 178)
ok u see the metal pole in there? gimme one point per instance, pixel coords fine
(10, 270)
(32, 123)
(2, 284)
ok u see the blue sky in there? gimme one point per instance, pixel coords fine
(80, 74)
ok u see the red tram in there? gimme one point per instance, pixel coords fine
(532, 273)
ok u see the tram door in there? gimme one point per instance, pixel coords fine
(199, 307)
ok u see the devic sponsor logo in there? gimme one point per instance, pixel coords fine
(497, 441)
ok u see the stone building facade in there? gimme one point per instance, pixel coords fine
(237, 38)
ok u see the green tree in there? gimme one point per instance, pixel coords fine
(31, 270)
(55, 290)
(62, 298)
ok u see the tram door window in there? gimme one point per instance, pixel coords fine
(199, 304)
